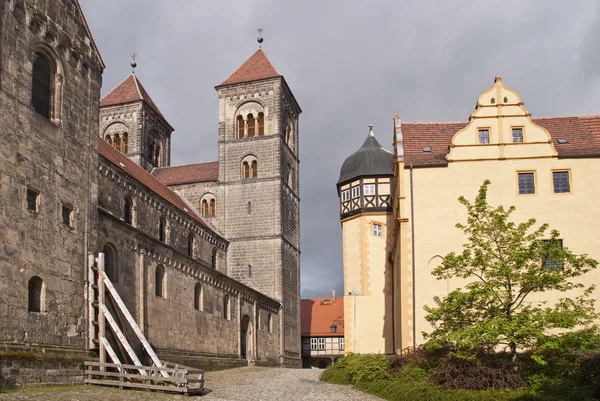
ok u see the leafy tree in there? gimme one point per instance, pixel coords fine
(506, 264)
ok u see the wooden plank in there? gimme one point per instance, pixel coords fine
(141, 377)
(91, 296)
(111, 352)
(119, 333)
(115, 383)
(132, 322)
(101, 322)
(113, 365)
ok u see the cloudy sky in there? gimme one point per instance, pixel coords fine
(350, 64)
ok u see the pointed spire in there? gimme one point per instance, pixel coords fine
(256, 68)
(133, 63)
(371, 133)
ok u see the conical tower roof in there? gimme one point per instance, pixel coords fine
(257, 67)
(370, 160)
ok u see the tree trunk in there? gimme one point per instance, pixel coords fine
(513, 355)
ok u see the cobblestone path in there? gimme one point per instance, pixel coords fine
(242, 384)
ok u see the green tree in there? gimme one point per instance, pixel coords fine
(506, 264)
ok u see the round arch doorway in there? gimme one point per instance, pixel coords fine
(245, 337)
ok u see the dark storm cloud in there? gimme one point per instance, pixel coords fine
(349, 64)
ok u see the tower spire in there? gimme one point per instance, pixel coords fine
(260, 38)
(133, 63)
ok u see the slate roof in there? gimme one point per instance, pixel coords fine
(371, 159)
(188, 173)
(318, 314)
(257, 67)
(146, 179)
(130, 90)
(581, 132)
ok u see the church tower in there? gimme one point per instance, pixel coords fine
(258, 174)
(364, 188)
(131, 122)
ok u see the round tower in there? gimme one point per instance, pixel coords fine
(364, 189)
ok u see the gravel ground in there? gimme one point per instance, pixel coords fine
(242, 384)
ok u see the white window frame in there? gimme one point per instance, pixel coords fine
(355, 192)
(345, 195)
(369, 189)
(321, 343)
(341, 344)
(377, 229)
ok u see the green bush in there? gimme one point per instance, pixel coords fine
(354, 369)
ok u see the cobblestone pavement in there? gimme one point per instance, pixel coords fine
(242, 384)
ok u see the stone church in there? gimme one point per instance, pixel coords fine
(206, 256)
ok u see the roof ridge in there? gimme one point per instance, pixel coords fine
(557, 117)
(434, 122)
(256, 67)
(183, 165)
(115, 87)
(137, 85)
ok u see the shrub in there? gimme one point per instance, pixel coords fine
(353, 369)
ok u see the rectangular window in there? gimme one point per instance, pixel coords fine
(377, 230)
(552, 261)
(345, 195)
(484, 136)
(517, 134)
(321, 343)
(313, 343)
(66, 215)
(369, 189)
(32, 200)
(341, 343)
(527, 183)
(355, 192)
(560, 180)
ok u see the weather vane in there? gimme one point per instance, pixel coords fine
(133, 63)
(260, 38)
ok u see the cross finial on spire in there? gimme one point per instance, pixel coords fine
(133, 63)
(260, 38)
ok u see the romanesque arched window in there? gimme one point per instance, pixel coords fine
(205, 207)
(128, 210)
(254, 168)
(251, 124)
(162, 229)
(289, 175)
(213, 208)
(240, 127)
(160, 282)
(110, 263)
(214, 259)
(108, 140)
(261, 123)
(125, 144)
(198, 297)
(36, 294)
(190, 245)
(117, 144)
(41, 86)
(226, 307)
(157, 154)
(246, 168)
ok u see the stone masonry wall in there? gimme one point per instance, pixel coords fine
(56, 158)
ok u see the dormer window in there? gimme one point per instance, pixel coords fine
(484, 136)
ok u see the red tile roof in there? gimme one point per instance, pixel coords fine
(130, 90)
(582, 135)
(255, 68)
(188, 173)
(146, 179)
(318, 314)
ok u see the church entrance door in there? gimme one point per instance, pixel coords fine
(244, 336)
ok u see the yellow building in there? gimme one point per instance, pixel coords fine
(545, 167)
(365, 192)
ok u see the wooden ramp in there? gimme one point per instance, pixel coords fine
(162, 376)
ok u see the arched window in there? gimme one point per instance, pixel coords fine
(117, 142)
(289, 175)
(160, 282)
(190, 247)
(269, 323)
(36, 294)
(204, 208)
(162, 229)
(128, 210)
(246, 167)
(151, 147)
(251, 124)
(125, 144)
(261, 123)
(198, 297)
(108, 140)
(157, 154)
(41, 86)
(240, 120)
(213, 207)
(226, 314)
(254, 169)
(110, 263)
(214, 260)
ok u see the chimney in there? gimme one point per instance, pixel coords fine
(332, 296)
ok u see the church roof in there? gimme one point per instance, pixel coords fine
(579, 137)
(147, 180)
(130, 90)
(371, 159)
(318, 314)
(188, 173)
(257, 67)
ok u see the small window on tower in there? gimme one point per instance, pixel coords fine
(66, 215)
(377, 230)
(355, 192)
(32, 200)
(369, 189)
(345, 195)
